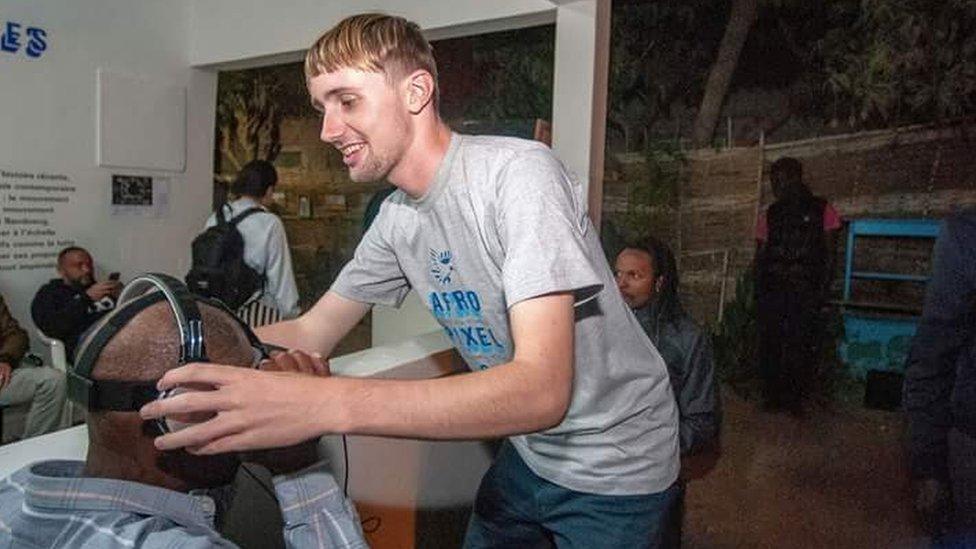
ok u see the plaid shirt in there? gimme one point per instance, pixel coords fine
(49, 504)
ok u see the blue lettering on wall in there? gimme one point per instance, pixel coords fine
(13, 36)
(36, 42)
(10, 39)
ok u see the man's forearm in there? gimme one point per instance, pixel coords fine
(508, 399)
(318, 330)
(530, 393)
(290, 335)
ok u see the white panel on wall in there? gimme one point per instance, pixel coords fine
(141, 123)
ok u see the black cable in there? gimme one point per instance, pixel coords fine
(345, 467)
(369, 524)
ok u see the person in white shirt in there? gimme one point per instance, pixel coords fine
(265, 243)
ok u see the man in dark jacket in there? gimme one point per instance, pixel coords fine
(796, 239)
(940, 388)
(43, 388)
(648, 281)
(647, 277)
(67, 306)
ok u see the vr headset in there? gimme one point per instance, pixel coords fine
(130, 396)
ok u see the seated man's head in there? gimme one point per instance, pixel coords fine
(76, 267)
(257, 180)
(121, 443)
(645, 272)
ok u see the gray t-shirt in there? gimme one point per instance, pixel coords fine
(502, 222)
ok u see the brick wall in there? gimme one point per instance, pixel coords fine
(717, 221)
(903, 173)
(324, 241)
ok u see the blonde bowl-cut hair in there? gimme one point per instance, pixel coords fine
(373, 42)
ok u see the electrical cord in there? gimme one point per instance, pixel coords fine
(345, 473)
(345, 467)
(369, 524)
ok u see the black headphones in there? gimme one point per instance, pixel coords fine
(130, 396)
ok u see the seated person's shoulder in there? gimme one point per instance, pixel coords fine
(51, 288)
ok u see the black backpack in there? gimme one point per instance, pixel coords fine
(218, 269)
(796, 252)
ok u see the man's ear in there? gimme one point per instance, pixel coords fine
(419, 90)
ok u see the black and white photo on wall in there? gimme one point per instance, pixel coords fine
(132, 190)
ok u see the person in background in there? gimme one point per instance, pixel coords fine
(21, 383)
(265, 242)
(647, 277)
(940, 389)
(67, 306)
(796, 243)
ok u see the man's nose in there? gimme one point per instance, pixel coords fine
(332, 128)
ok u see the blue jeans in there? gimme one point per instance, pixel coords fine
(517, 508)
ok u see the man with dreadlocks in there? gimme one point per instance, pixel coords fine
(648, 280)
(647, 276)
(794, 261)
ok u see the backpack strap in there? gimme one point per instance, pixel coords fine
(264, 275)
(221, 218)
(243, 215)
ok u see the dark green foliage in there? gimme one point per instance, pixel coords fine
(830, 66)
(659, 58)
(509, 75)
(736, 340)
(652, 201)
(903, 61)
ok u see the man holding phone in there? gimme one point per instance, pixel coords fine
(66, 306)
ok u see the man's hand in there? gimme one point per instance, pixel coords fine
(6, 370)
(254, 409)
(297, 361)
(99, 290)
(933, 505)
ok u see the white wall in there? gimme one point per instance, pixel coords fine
(48, 110)
(579, 103)
(232, 30)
